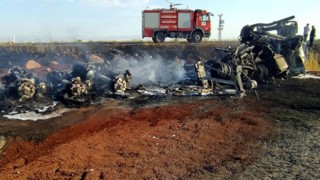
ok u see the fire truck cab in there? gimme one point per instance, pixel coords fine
(159, 24)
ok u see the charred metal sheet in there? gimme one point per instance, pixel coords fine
(202, 74)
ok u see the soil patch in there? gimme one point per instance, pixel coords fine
(171, 141)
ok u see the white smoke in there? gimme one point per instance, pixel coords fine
(155, 71)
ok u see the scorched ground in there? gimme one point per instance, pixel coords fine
(273, 133)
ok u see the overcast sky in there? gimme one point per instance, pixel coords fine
(57, 20)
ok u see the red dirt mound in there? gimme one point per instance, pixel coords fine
(32, 64)
(188, 140)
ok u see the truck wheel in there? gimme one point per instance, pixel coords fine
(159, 37)
(196, 37)
(154, 40)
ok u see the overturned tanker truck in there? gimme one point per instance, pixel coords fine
(262, 56)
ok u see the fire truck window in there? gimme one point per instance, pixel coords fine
(204, 18)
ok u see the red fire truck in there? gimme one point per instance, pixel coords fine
(192, 25)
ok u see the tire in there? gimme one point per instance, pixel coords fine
(196, 37)
(159, 37)
(262, 74)
(154, 40)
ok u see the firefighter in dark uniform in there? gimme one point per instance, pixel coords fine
(312, 35)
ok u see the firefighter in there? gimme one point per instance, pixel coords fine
(306, 31)
(312, 35)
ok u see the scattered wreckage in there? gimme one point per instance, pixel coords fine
(21, 85)
(260, 58)
(87, 82)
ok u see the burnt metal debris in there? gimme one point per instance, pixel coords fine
(21, 85)
(261, 57)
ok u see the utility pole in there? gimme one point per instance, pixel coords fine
(220, 28)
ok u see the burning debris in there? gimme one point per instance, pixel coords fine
(260, 58)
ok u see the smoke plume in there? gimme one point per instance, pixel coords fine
(151, 71)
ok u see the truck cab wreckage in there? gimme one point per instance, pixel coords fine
(262, 56)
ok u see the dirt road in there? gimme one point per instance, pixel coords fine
(293, 153)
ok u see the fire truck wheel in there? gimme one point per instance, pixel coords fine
(196, 37)
(159, 37)
(154, 40)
